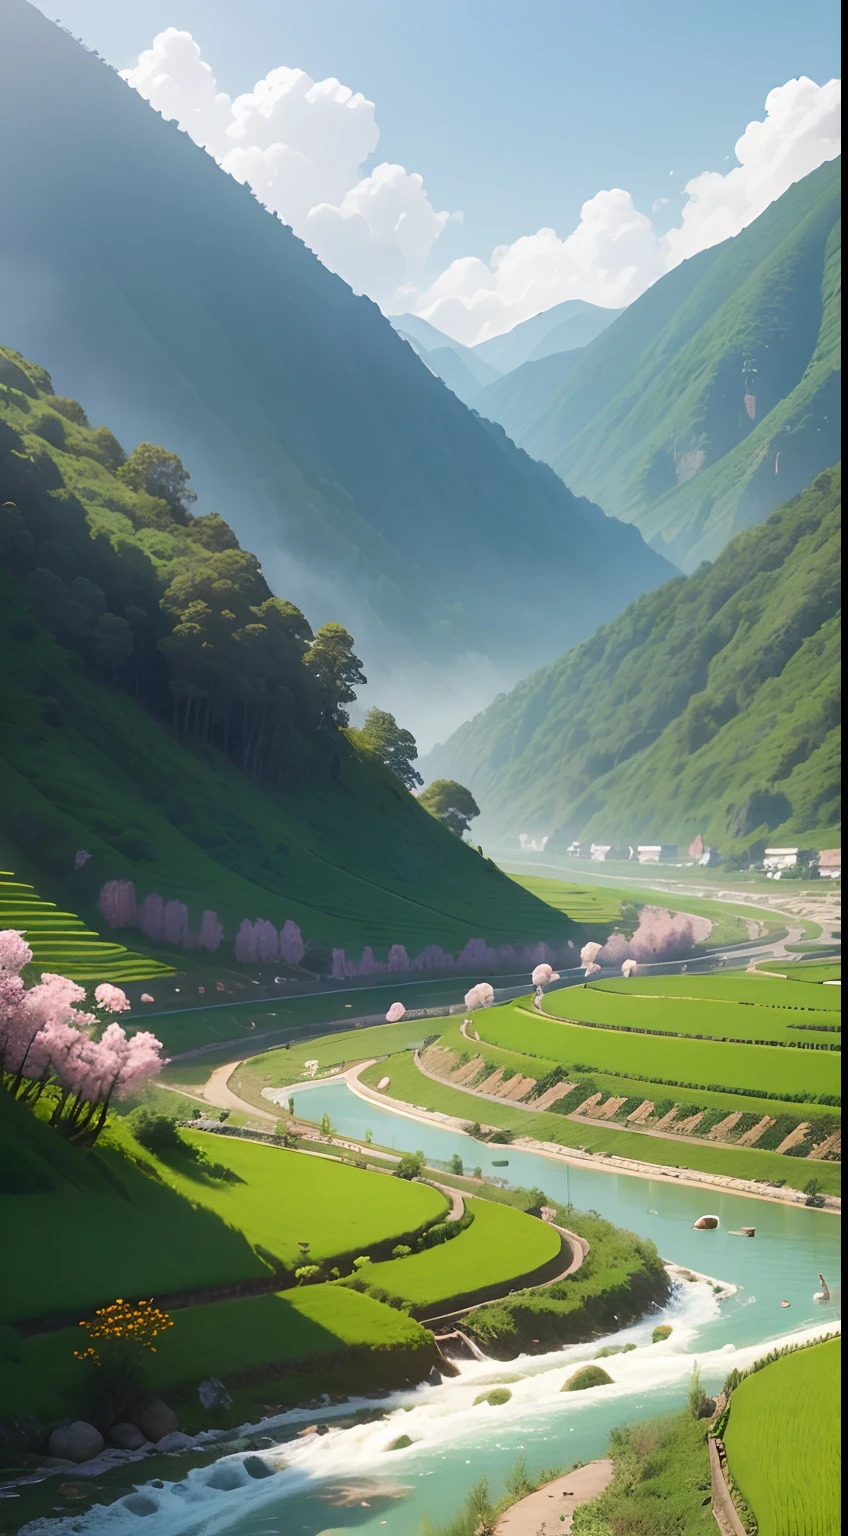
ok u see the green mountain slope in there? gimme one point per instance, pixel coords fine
(711, 399)
(116, 626)
(184, 313)
(710, 706)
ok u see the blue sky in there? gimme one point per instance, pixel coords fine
(513, 114)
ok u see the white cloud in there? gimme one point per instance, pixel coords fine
(615, 253)
(301, 145)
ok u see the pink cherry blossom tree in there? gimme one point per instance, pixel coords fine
(292, 947)
(211, 933)
(395, 1013)
(117, 903)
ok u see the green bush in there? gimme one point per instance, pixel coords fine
(307, 1274)
(662, 1331)
(495, 1398)
(588, 1376)
(401, 1251)
(360, 1263)
(410, 1166)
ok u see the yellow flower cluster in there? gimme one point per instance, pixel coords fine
(139, 1323)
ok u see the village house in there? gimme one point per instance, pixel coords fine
(830, 863)
(776, 859)
(656, 853)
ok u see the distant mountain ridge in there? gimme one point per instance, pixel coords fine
(713, 397)
(363, 485)
(466, 370)
(711, 705)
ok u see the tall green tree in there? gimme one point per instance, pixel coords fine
(395, 748)
(450, 803)
(330, 660)
(160, 473)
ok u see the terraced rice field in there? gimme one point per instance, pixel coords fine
(782, 1442)
(760, 991)
(590, 904)
(501, 1244)
(61, 942)
(814, 973)
(706, 1017)
(755, 1069)
(609, 1083)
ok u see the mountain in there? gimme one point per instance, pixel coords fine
(156, 287)
(458, 367)
(711, 706)
(574, 323)
(162, 714)
(712, 398)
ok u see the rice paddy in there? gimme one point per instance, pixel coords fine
(782, 1442)
(61, 942)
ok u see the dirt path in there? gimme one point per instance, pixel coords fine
(543, 1511)
(217, 1091)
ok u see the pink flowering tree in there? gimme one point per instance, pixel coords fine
(292, 947)
(117, 903)
(48, 1043)
(543, 974)
(395, 1013)
(480, 996)
(211, 933)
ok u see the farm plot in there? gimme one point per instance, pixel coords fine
(763, 1071)
(501, 1244)
(782, 1442)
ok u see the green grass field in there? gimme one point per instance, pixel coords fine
(813, 973)
(408, 1085)
(501, 1244)
(278, 1068)
(782, 1441)
(753, 1069)
(286, 1197)
(223, 1338)
(61, 942)
(127, 1224)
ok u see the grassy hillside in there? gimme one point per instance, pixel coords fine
(313, 428)
(714, 396)
(710, 706)
(104, 590)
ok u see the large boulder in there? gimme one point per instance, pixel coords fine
(214, 1396)
(155, 1419)
(175, 1442)
(76, 1442)
(127, 1437)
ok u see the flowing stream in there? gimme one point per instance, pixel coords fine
(347, 1480)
